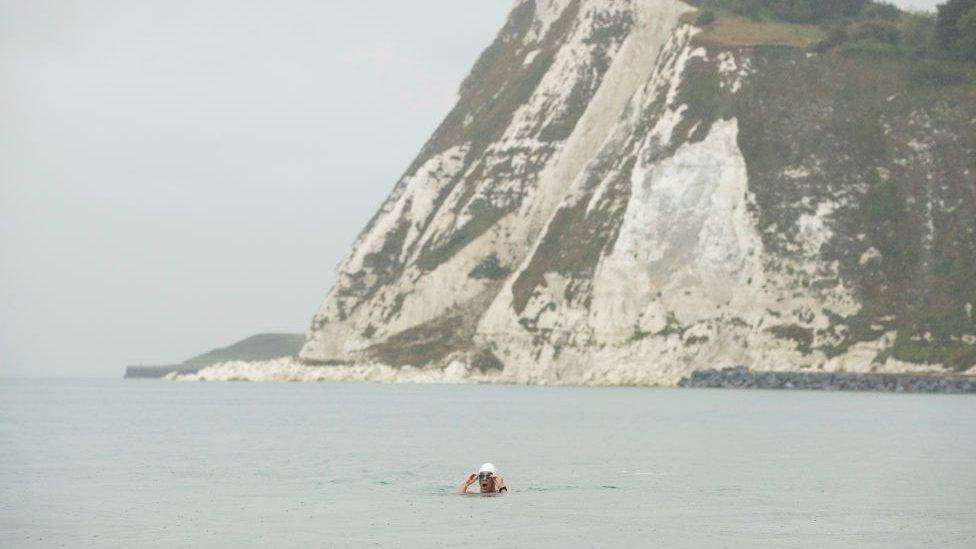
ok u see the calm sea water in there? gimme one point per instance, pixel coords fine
(158, 464)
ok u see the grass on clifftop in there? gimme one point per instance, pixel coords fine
(734, 31)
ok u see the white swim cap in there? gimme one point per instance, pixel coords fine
(488, 468)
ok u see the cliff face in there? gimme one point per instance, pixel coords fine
(620, 197)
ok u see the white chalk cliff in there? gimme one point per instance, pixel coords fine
(606, 205)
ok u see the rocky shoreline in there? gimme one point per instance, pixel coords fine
(742, 378)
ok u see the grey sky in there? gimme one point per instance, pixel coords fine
(178, 175)
(917, 5)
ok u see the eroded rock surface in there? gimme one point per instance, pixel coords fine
(613, 201)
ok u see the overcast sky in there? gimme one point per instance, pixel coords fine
(177, 175)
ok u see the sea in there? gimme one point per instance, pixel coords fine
(145, 463)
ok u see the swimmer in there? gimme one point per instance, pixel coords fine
(488, 480)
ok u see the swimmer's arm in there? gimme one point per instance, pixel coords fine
(468, 481)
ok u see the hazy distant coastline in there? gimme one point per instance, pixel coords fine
(255, 348)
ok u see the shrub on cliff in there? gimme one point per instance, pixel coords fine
(966, 43)
(937, 74)
(815, 11)
(882, 31)
(881, 10)
(803, 11)
(947, 22)
(918, 32)
(792, 11)
(490, 268)
(706, 18)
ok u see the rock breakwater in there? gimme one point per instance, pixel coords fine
(742, 378)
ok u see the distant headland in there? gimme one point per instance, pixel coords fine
(256, 347)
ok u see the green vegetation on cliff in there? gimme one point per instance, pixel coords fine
(879, 117)
(956, 27)
(793, 11)
(856, 123)
(854, 24)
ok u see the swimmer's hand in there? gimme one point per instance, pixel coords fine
(468, 481)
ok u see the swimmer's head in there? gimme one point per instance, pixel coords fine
(486, 477)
